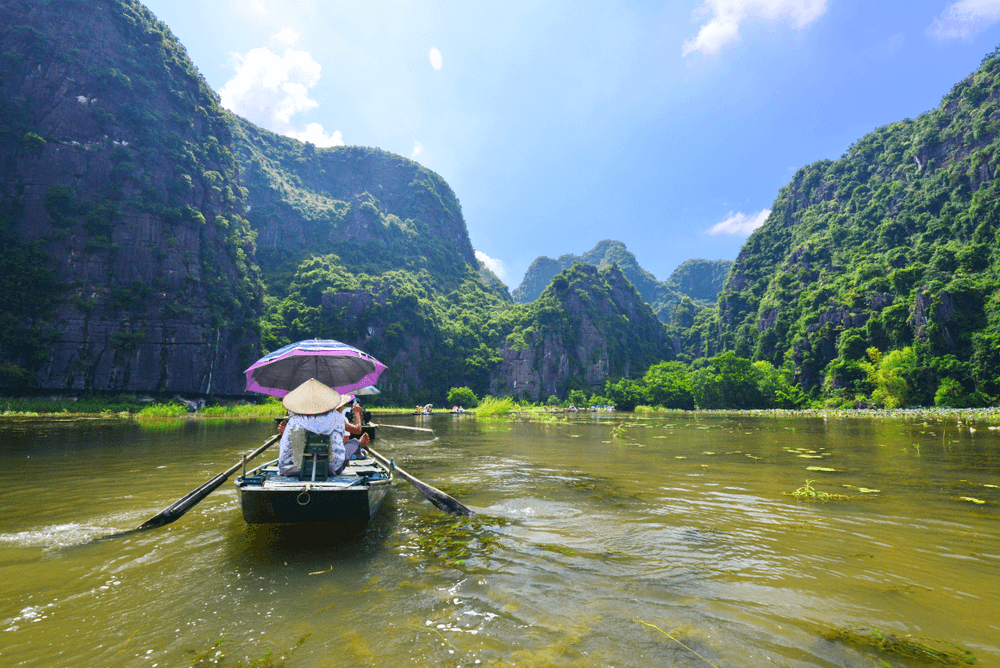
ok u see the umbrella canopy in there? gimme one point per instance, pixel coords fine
(337, 365)
(371, 389)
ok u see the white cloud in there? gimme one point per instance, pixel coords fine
(315, 134)
(418, 148)
(964, 18)
(726, 16)
(740, 223)
(269, 89)
(435, 57)
(288, 36)
(496, 266)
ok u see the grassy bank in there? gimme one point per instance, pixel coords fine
(133, 407)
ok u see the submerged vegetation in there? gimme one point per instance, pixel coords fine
(926, 651)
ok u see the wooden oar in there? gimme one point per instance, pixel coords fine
(434, 495)
(399, 426)
(192, 498)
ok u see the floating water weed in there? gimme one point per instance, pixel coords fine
(456, 540)
(808, 493)
(559, 549)
(971, 499)
(826, 469)
(654, 626)
(927, 650)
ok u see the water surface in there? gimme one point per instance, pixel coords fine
(667, 541)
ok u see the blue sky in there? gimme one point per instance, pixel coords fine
(667, 125)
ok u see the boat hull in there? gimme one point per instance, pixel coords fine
(271, 499)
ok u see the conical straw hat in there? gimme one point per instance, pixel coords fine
(311, 398)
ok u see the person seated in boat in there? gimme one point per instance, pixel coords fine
(312, 407)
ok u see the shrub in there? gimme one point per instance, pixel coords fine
(462, 396)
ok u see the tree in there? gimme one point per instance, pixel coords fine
(727, 381)
(890, 374)
(462, 396)
(626, 393)
(668, 385)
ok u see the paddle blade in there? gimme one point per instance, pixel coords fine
(434, 495)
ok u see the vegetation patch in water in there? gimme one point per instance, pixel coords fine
(216, 656)
(455, 540)
(809, 493)
(924, 650)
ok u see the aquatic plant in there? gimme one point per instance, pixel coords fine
(654, 626)
(930, 650)
(455, 540)
(493, 407)
(808, 493)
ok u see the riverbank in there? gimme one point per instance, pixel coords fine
(135, 408)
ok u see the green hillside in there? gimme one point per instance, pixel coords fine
(892, 247)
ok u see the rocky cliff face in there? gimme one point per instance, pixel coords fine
(590, 324)
(115, 167)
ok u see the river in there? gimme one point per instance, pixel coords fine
(600, 541)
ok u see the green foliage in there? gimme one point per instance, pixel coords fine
(668, 385)
(891, 246)
(577, 398)
(625, 394)
(728, 381)
(462, 396)
(891, 375)
(492, 407)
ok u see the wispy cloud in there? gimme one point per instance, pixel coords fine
(418, 148)
(740, 223)
(269, 90)
(496, 266)
(436, 59)
(726, 16)
(965, 18)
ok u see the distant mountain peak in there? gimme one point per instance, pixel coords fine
(701, 280)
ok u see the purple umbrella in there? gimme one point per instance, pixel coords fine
(336, 364)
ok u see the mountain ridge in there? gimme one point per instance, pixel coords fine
(699, 280)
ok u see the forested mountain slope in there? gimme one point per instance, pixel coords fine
(699, 280)
(588, 325)
(894, 245)
(126, 262)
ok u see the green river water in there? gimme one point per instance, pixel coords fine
(670, 541)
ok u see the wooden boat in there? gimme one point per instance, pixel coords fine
(266, 497)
